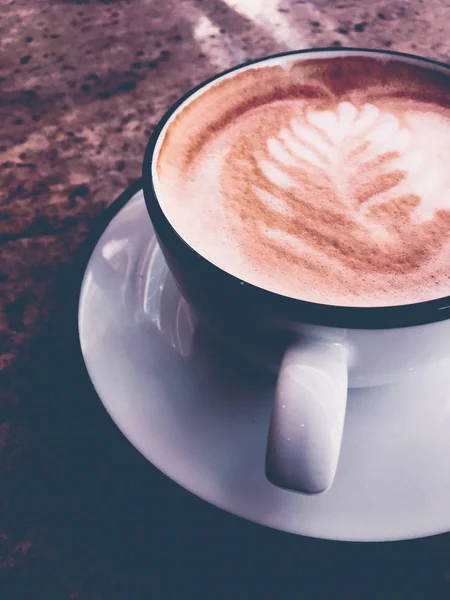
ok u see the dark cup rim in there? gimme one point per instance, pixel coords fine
(277, 305)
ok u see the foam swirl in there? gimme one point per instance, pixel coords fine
(356, 167)
(335, 190)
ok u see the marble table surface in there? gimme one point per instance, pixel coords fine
(82, 515)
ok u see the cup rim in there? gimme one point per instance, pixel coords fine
(281, 306)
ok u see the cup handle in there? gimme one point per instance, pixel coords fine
(307, 420)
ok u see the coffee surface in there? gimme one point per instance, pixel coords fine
(323, 179)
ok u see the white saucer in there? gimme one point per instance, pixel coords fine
(201, 417)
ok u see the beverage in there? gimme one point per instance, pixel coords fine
(323, 179)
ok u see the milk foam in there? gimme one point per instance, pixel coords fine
(322, 185)
(420, 149)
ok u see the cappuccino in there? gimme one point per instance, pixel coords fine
(325, 179)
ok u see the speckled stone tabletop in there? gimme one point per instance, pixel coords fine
(82, 514)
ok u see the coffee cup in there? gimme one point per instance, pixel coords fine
(399, 322)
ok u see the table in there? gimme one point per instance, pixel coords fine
(82, 514)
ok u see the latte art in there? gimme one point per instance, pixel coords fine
(361, 165)
(366, 157)
(328, 181)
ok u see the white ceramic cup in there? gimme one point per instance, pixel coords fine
(328, 348)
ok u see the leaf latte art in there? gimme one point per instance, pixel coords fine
(329, 181)
(346, 185)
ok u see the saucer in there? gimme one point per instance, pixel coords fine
(201, 416)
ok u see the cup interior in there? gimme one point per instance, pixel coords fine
(380, 316)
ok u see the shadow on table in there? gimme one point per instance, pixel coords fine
(107, 525)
